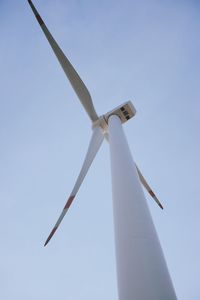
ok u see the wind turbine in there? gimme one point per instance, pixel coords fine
(141, 268)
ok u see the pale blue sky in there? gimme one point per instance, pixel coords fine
(144, 51)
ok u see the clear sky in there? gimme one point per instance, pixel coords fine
(145, 51)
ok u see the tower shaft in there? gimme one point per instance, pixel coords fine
(141, 268)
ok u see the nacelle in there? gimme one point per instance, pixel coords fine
(125, 112)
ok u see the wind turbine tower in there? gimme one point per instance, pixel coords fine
(141, 268)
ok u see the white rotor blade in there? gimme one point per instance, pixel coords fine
(95, 143)
(147, 187)
(76, 82)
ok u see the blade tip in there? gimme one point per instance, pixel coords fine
(161, 206)
(45, 244)
(50, 236)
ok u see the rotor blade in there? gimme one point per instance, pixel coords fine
(147, 187)
(76, 82)
(95, 143)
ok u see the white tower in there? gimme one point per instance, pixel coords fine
(141, 268)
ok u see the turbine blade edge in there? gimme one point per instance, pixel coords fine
(95, 143)
(73, 77)
(148, 188)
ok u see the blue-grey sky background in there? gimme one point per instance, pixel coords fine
(144, 51)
